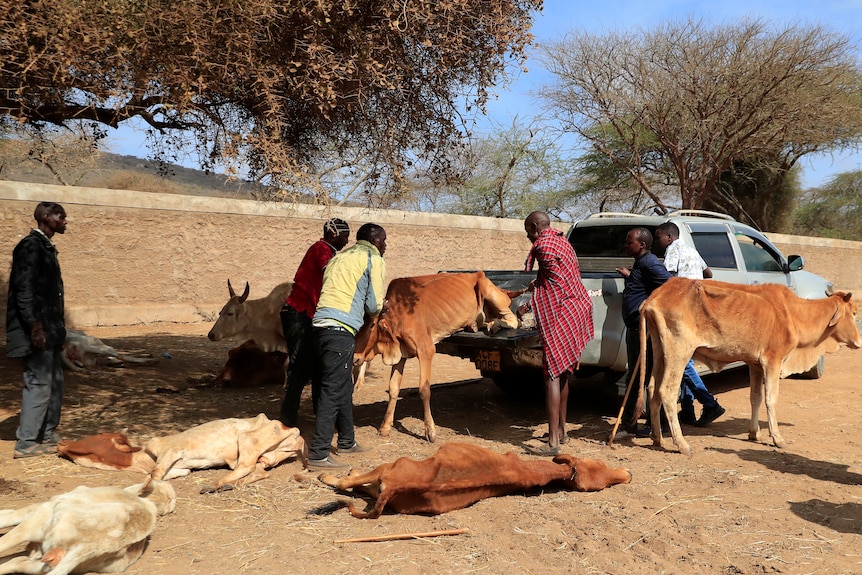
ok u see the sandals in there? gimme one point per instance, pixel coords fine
(35, 450)
(542, 451)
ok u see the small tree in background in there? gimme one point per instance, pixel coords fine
(834, 210)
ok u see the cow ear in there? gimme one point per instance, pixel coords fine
(122, 446)
(847, 296)
(836, 317)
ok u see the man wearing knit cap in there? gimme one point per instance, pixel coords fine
(296, 317)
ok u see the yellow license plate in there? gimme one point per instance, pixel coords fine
(488, 360)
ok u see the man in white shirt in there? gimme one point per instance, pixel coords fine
(683, 260)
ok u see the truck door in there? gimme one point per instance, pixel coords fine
(763, 263)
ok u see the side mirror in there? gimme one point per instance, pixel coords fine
(795, 263)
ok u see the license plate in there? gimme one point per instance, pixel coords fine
(488, 360)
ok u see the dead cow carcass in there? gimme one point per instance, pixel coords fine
(460, 474)
(89, 529)
(766, 326)
(249, 366)
(419, 312)
(256, 319)
(82, 351)
(248, 446)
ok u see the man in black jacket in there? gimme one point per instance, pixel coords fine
(36, 330)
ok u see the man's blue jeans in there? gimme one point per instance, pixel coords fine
(693, 388)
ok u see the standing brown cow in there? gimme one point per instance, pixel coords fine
(419, 312)
(766, 326)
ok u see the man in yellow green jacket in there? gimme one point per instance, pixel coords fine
(353, 287)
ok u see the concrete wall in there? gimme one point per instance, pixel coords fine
(133, 257)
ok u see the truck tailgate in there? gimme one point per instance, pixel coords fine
(505, 338)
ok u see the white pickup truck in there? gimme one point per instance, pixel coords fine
(735, 252)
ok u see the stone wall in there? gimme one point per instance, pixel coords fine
(133, 257)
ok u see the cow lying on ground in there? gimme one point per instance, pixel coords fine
(109, 451)
(257, 319)
(766, 326)
(249, 366)
(419, 312)
(82, 351)
(459, 475)
(248, 446)
(89, 529)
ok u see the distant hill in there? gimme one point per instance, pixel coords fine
(132, 173)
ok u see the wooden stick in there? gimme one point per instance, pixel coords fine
(625, 399)
(395, 536)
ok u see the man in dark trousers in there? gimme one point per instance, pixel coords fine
(36, 331)
(564, 316)
(641, 279)
(296, 317)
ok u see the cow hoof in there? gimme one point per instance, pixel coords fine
(328, 479)
(753, 436)
(779, 442)
(384, 431)
(431, 434)
(208, 489)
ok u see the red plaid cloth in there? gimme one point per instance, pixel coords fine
(561, 304)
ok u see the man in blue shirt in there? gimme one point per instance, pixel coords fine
(641, 279)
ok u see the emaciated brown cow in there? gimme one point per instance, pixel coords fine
(256, 319)
(766, 326)
(460, 474)
(249, 366)
(419, 312)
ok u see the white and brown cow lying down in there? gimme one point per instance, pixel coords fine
(89, 529)
(248, 446)
(82, 351)
(460, 474)
(419, 312)
(766, 326)
(248, 365)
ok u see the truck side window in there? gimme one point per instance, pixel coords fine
(757, 258)
(715, 249)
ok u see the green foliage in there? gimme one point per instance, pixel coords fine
(834, 210)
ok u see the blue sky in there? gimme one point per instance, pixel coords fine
(561, 16)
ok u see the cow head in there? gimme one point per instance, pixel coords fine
(111, 451)
(843, 323)
(231, 319)
(591, 474)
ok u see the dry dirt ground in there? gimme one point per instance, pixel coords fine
(734, 507)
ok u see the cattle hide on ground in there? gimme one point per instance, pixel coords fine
(419, 312)
(82, 351)
(109, 451)
(249, 366)
(460, 474)
(257, 319)
(89, 529)
(766, 326)
(248, 446)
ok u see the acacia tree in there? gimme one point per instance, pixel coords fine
(698, 99)
(833, 211)
(264, 84)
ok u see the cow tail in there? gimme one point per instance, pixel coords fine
(328, 508)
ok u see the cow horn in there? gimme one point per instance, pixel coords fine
(230, 289)
(244, 295)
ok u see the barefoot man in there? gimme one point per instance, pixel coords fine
(564, 315)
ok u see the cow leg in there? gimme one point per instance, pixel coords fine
(667, 377)
(164, 462)
(425, 358)
(23, 565)
(756, 398)
(394, 389)
(366, 482)
(771, 381)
